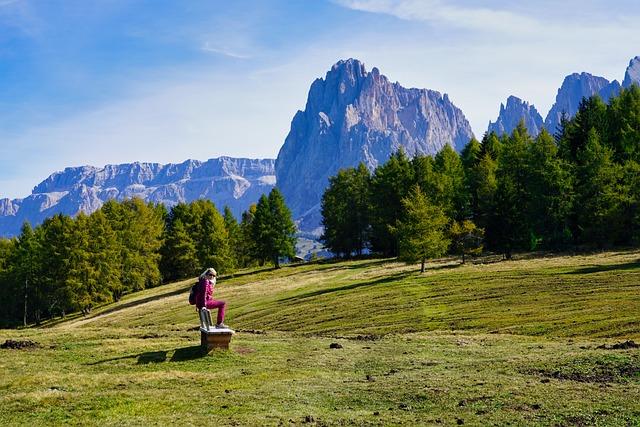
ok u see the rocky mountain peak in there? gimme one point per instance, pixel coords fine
(510, 115)
(575, 87)
(632, 75)
(354, 116)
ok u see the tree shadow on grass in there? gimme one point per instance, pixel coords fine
(603, 268)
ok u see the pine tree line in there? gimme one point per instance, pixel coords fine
(577, 188)
(67, 265)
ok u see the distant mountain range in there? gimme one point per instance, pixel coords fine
(351, 116)
(226, 181)
(574, 88)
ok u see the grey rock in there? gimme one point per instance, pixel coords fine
(354, 116)
(511, 114)
(574, 88)
(632, 75)
(236, 183)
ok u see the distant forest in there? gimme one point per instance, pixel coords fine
(578, 188)
(69, 264)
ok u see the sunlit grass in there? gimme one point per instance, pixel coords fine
(505, 342)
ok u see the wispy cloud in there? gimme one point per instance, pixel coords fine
(210, 48)
(441, 13)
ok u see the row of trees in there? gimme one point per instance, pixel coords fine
(515, 192)
(72, 264)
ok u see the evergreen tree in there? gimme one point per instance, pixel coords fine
(486, 186)
(273, 229)
(179, 254)
(390, 183)
(550, 190)
(211, 237)
(511, 230)
(247, 246)
(422, 230)
(10, 293)
(591, 115)
(56, 294)
(345, 211)
(23, 270)
(451, 193)
(470, 157)
(623, 125)
(283, 228)
(491, 145)
(138, 227)
(233, 232)
(466, 239)
(597, 193)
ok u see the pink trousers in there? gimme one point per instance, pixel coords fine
(220, 305)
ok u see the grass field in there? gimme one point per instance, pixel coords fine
(521, 342)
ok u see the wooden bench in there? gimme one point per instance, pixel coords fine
(210, 336)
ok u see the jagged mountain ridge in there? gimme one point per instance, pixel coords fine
(351, 115)
(226, 181)
(354, 116)
(510, 115)
(574, 88)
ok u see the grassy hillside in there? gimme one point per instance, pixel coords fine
(500, 342)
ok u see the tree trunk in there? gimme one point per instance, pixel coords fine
(422, 265)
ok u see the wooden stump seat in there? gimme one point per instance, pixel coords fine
(210, 336)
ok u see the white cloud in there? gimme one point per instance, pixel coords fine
(210, 48)
(445, 13)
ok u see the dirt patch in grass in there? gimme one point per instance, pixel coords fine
(626, 345)
(595, 369)
(19, 344)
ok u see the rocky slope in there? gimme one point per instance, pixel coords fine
(226, 181)
(354, 116)
(574, 88)
(632, 75)
(511, 114)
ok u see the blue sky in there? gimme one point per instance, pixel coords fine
(116, 81)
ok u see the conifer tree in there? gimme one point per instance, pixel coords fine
(597, 177)
(422, 230)
(512, 230)
(233, 232)
(451, 192)
(466, 238)
(179, 254)
(23, 271)
(390, 183)
(550, 190)
(273, 229)
(345, 211)
(247, 245)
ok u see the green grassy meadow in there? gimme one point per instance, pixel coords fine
(522, 342)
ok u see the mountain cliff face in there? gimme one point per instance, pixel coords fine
(226, 181)
(354, 116)
(632, 75)
(574, 88)
(511, 114)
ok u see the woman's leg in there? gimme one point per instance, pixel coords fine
(220, 305)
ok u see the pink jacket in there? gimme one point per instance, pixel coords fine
(202, 298)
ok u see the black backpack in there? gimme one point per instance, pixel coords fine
(195, 289)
